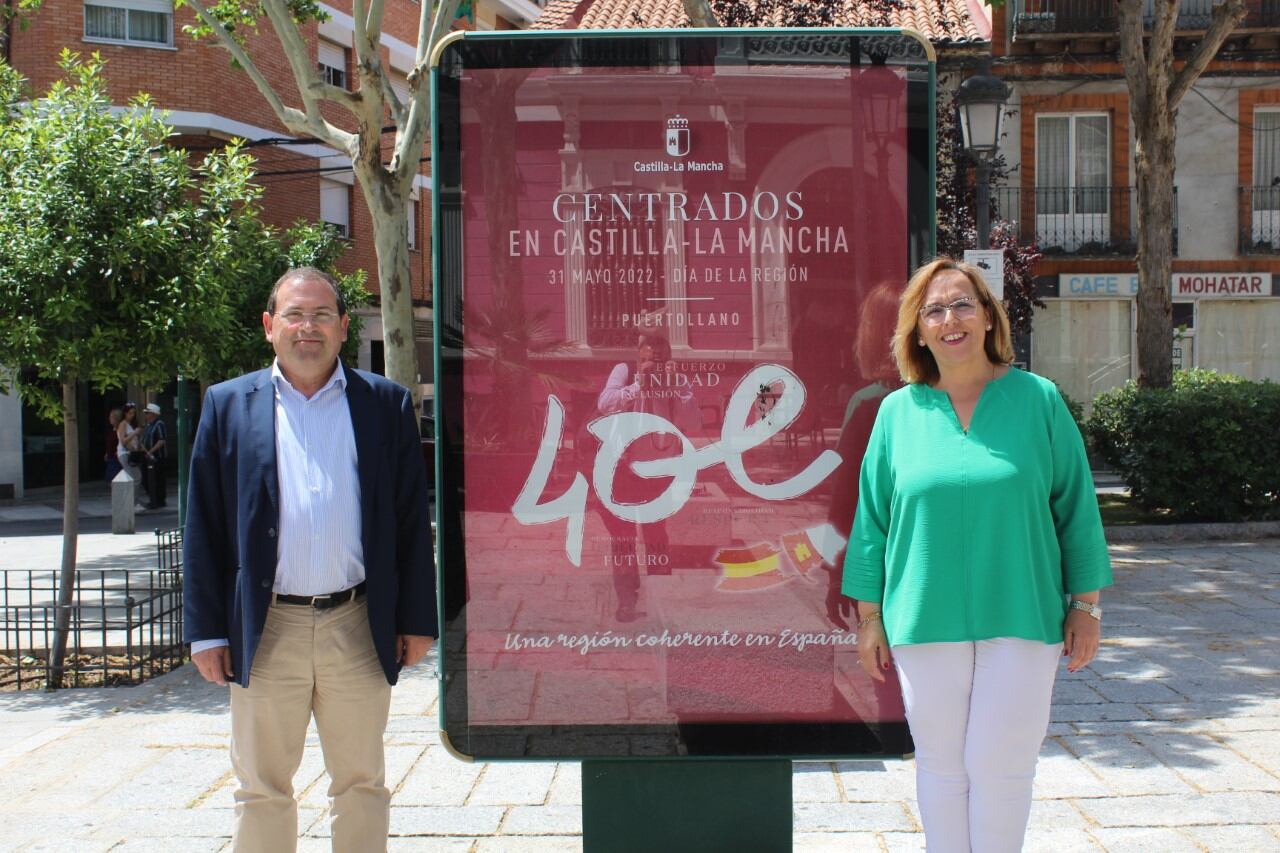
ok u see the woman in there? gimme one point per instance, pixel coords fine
(111, 457)
(976, 519)
(644, 386)
(130, 441)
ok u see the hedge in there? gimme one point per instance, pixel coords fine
(1205, 449)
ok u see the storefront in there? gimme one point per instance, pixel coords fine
(1085, 338)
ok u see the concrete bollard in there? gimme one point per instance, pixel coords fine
(123, 488)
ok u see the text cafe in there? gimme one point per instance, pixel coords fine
(1084, 339)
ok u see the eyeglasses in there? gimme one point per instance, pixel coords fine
(935, 315)
(320, 318)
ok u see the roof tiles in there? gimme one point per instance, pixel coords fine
(941, 21)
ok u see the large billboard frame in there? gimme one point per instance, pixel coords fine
(790, 740)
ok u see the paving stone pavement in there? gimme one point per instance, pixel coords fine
(1170, 741)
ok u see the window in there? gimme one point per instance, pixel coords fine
(1266, 160)
(1073, 173)
(335, 206)
(410, 212)
(333, 64)
(141, 22)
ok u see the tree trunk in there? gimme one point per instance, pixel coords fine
(395, 281)
(1154, 161)
(700, 13)
(70, 529)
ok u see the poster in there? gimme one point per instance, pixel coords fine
(678, 284)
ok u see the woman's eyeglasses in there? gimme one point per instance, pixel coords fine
(935, 315)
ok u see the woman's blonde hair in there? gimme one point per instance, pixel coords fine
(916, 363)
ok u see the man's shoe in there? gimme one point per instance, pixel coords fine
(626, 613)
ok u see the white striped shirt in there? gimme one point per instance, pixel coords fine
(319, 549)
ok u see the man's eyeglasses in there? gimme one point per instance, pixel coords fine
(320, 318)
(935, 315)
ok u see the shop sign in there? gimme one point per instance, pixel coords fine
(1184, 285)
(1219, 285)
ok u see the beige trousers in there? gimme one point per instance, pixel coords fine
(321, 662)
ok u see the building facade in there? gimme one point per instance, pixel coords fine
(1071, 190)
(209, 102)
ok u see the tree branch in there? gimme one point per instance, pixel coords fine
(1163, 25)
(700, 13)
(1226, 16)
(291, 118)
(305, 73)
(413, 132)
(1132, 55)
(374, 23)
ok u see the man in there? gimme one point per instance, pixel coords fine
(309, 579)
(154, 445)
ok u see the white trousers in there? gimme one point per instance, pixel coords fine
(978, 713)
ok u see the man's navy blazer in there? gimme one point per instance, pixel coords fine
(233, 516)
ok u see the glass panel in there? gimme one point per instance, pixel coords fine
(149, 27)
(1092, 174)
(1240, 337)
(1053, 164)
(1083, 346)
(1266, 160)
(101, 22)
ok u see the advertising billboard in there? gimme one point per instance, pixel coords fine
(666, 277)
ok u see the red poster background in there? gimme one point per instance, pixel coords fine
(637, 242)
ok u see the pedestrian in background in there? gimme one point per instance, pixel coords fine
(112, 441)
(155, 445)
(308, 568)
(129, 448)
(976, 519)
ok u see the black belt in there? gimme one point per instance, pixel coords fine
(323, 602)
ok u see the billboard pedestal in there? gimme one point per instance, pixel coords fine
(683, 805)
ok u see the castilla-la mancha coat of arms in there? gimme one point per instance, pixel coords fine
(677, 136)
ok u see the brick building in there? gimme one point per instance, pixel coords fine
(209, 102)
(1072, 191)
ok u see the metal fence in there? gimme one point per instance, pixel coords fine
(1083, 17)
(1259, 212)
(1074, 221)
(125, 626)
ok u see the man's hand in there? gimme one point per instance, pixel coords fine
(214, 664)
(410, 648)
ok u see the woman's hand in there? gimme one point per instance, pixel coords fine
(1081, 636)
(873, 648)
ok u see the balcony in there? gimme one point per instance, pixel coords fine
(1260, 220)
(1075, 221)
(1060, 19)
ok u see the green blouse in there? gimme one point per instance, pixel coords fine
(969, 536)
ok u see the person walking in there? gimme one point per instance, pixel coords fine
(155, 445)
(976, 520)
(309, 579)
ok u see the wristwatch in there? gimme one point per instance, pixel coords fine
(1092, 609)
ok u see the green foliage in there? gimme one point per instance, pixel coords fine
(1202, 449)
(1076, 408)
(263, 257)
(111, 250)
(241, 18)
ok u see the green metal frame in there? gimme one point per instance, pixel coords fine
(730, 771)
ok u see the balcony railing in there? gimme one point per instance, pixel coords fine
(1074, 221)
(1259, 220)
(1060, 18)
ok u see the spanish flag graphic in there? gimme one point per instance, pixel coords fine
(809, 549)
(756, 567)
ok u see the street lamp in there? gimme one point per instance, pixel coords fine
(980, 102)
